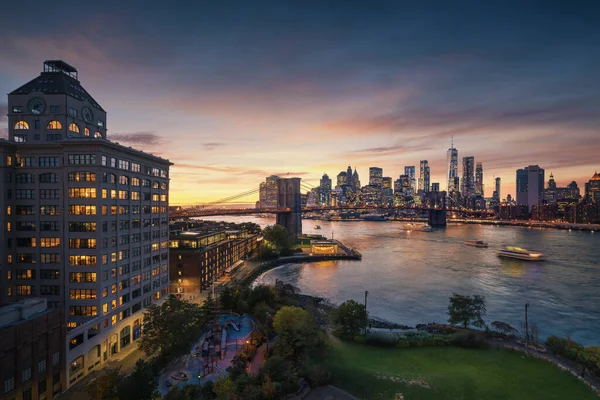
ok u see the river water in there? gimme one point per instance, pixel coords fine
(410, 275)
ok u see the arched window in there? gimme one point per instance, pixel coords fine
(21, 125)
(54, 125)
(135, 181)
(155, 185)
(86, 132)
(97, 135)
(146, 183)
(107, 177)
(123, 180)
(73, 127)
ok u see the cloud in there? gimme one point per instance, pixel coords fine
(137, 138)
(212, 145)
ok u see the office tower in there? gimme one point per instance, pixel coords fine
(386, 182)
(530, 186)
(375, 176)
(349, 177)
(355, 181)
(267, 194)
(410, 170)
(341, 179)
(479, 179)
(467, 187)
(592, 189)
(424, 176)
(89, 218)
(452, 162)
(325, 192)
(435, 187)
(498, 185)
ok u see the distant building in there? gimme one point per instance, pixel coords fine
(325, 192)
(530, 186)
(355, 181)
(32, 350)
(375, 176)
(452, 173)
(435, 187)
(342, 179)
(386, 182)
(467, 188)
(409, 170)
(498, 188)
(544, 212)
(424, 176)
(511, 211)
(479, 188)
(267, 192)
(371, 195)
(313, 197)
(592, 189)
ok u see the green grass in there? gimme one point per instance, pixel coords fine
(451, 373)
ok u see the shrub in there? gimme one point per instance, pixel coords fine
(469, 340)
(318, 375)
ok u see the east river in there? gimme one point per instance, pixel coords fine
(410, 275)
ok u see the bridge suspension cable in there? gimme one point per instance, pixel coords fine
(233, 198)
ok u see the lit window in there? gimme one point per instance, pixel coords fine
(54, 125)
(73, 127)
(21, 125)
(97, 135)
(86, 132)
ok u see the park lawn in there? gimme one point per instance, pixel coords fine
(450, 372)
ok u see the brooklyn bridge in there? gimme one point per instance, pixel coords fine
(289, 209)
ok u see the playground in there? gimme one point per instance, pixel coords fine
(210, 356)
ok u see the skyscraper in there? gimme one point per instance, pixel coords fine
(479, 179)
(424, 176)
(498, 185)
(530, 185)
(90, 216)
(435, 187)
(409, 170)
(341, 179)
(267, 194)
(349, 177)
(325, 192)
(467, 184)
(452, 161)
(375, 176)
(355, 181)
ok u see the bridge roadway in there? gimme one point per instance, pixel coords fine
(208, 212)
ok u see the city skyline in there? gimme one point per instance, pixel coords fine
(328, 86)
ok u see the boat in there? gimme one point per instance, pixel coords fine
(520, 253)
(316, 227)
(427, 228)
(475, 243)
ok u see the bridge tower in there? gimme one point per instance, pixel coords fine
(437, 217)
(289, 196)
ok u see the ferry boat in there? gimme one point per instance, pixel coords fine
(316, 227)
(520, 253)
(476, 243)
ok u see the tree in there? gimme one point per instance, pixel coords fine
(296, 328)
(279, 236)
(504, 328)
(225, 389)
(467, 310)
(172, 326)
(350, 317)
(106, 386)
(208, 305)
(141, 384)
(227, 298)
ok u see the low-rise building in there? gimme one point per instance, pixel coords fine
(198, 258)
(32, 356)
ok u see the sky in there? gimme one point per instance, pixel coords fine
(232, 92)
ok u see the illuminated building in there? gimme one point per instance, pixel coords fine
(313, 197)
(410, 171)
(479, 188)
(268, 192)
(498, 186)
(198, 258)
(530, 186)
(435, 187)
(544, 212)
(355, 181)
(325, 192)
(467, 183)
(324, 247)
(424, 176)
(452, 162)
(341, 179)
(375, 176)
(371, 195)
(87, 218)
(592, 189)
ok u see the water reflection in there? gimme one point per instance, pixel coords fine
(410, 275)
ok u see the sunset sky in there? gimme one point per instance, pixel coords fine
(232, 92)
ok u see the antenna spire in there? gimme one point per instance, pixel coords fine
(452, 142)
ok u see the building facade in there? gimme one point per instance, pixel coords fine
(452, 163)
(32, 350)
(325, 190)
(530, 186)
(479, 188)
(87, 219)
(424, 176)
(197, 259)
(375, 176)
(267, 192)
(467, 183)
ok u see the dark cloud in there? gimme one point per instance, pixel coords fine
(137, 138)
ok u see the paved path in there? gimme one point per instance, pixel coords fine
(329, 393)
